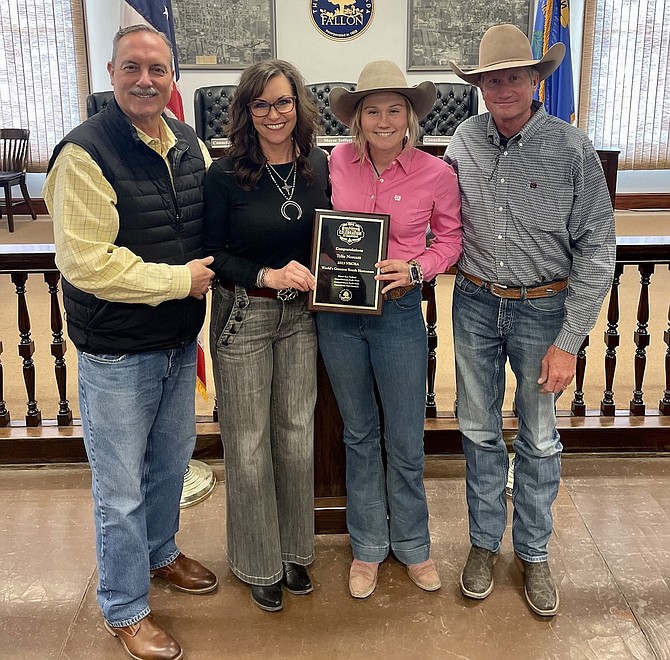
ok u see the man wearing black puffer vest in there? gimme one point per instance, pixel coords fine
(125, 190)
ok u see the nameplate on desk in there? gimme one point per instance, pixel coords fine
(219, 143)
(329, 140)
(436, 140)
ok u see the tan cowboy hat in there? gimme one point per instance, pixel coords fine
(507, 47)
(381, 76)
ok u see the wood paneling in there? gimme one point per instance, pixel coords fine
(642, 201)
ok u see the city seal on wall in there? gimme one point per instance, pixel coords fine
(342, 20)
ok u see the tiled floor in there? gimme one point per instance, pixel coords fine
(610, 555)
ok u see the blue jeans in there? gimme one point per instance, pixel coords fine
(389, 350)
(138, 417)
(488, 331)
(264, 357)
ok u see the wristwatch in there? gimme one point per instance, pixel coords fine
(415, 274)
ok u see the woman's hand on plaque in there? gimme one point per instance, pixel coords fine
(294, 275)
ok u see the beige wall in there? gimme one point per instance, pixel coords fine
(298, 41)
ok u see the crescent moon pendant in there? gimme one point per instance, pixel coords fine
(285, 206)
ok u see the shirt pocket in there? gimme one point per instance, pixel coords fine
(543, 202)
(412, 207)
(410, 217)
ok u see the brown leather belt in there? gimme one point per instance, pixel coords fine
(398, 292)
(519, 292)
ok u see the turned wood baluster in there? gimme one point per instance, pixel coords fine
(4, 413)
(58, 349)
(26, 349)
(664, 404)
(428, 292)
(637, 406)
(578, 406)
(611, 338)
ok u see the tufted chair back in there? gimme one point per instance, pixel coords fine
(455, 102)
(211, 111)
(97, 101)
(328, 123)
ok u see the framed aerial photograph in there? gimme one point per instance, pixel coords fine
(442, 31)
(220, 34)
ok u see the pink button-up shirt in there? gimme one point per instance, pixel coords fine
(417, 190)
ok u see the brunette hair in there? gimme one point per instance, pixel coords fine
(359, 141)
(245, 150)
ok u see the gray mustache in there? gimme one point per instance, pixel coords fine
(143, 91)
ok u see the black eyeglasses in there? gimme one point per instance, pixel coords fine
(283, 106)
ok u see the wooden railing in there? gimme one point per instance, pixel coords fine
(26, 438)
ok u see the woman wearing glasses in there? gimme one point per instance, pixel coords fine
(260, 200)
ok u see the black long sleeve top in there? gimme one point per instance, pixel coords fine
(245, 230)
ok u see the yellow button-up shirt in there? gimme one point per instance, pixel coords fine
(82, 204)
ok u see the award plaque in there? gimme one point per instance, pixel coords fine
(345, 248)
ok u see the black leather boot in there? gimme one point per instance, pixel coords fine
(267, 596)
(295, 579)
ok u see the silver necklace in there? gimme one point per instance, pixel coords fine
(286, 190)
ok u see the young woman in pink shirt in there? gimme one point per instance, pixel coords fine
(382, 171)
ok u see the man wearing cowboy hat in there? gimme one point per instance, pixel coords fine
(538, 259)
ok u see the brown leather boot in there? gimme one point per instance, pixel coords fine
(188, 575)
(146, 640)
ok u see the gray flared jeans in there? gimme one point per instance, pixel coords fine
(264, 356)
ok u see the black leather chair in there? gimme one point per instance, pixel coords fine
(455, 103)
(97, 101)
(211, 111)
(328, 123)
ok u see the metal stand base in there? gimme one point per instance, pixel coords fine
(199, 482)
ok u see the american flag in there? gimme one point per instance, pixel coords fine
(157, 13)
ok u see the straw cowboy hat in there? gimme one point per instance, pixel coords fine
(381, 76)
(507, 47)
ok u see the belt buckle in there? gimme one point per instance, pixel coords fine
(494, 289)
(286, 295)
(398, 292)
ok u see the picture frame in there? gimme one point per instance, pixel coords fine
(345, 248)
(219, 34)
(438, 32)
